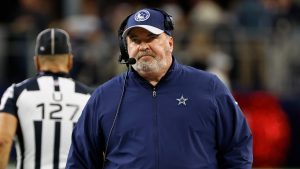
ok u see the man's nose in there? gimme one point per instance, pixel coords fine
(143, 46)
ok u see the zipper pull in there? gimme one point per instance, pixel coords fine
(154, 93)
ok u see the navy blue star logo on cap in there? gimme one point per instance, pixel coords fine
(142, 15)
(182, 100)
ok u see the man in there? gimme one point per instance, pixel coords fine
(160, 114)
(41, 111)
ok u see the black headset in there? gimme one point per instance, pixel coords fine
(123, 58)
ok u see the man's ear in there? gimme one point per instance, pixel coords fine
(171, 44)
(70, 62)
(36, 63)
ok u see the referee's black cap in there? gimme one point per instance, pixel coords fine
(53, 41)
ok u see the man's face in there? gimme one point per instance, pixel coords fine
(153, 53)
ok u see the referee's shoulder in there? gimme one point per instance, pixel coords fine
(26, 84)
(82, 88)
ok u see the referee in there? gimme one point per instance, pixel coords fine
(40, 112)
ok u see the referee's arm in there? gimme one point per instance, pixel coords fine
(8, 125)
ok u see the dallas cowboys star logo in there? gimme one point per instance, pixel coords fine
(182, 100)
(142, 15)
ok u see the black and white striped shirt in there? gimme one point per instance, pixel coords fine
(47, 108)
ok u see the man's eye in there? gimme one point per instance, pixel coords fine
(135, 40)
(152, 37)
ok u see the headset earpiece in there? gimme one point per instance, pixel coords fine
(169, 23)
(122, 42)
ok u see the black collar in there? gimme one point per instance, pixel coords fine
(49, 73)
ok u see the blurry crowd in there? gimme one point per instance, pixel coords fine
(251, 45)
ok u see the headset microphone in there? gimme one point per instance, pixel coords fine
(130, 61)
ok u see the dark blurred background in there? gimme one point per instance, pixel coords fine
(252, 45)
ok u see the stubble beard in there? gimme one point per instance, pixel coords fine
(152, 66)
(146, 67)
